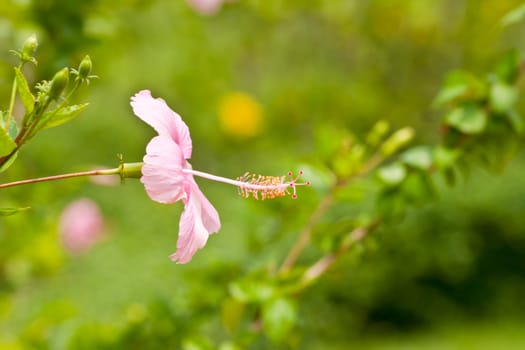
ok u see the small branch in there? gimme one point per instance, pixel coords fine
(306, 234)
(115, 171)
(322, 265)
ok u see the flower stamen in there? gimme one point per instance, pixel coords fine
(269, 187)
(252, 185)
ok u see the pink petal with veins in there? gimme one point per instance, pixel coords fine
(156, 113)
(162, 170)
(197, 222)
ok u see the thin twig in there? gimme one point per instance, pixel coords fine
(61, 177)
(322, 265)
(306, 234)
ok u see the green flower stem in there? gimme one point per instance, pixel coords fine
(11, 103)
(125, 170)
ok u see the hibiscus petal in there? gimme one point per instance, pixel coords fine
(198, 220)
(162, 174)
(156, 113)
(210, 217)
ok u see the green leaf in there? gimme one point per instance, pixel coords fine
(9, 162)
(7, 145)
(378, 132)
(508, 67)
(196, 343)
(391, 204)
(445, 158)
(418, 188)
(392, 174)
(468, 118)
(450, 176)
(278, 316)
(11, 211)
(232, 311)
(251, 290)
(28, 100)
(503, 97)
(448, 94)
(396, 141)
(13, 129)
(459, 85)
(228, 345)
(516, 120)
(514, 16)
(57, 117)
(419, 157)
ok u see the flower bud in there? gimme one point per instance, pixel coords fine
(29, 49)
(59, 83)
(398, 140)
(84, 69)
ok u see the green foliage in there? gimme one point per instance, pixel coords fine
(392, 174)
(7, 145)
(419, 157)
(37, 116)
(28, 100)
(508, 67)
(11, 211)
(460, 86)
(278, 317)
(390, 252)
(468, 118)
(61, 115)
(503, 97)
(514, 16)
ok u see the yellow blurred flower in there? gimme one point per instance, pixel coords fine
(240, 115)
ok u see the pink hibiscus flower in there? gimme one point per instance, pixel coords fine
(164, 177)
(168, 177)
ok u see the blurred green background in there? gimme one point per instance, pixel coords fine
(451, 275)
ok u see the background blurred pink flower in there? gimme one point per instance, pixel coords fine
(81, 225)
(205, 7)
(104, 180)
